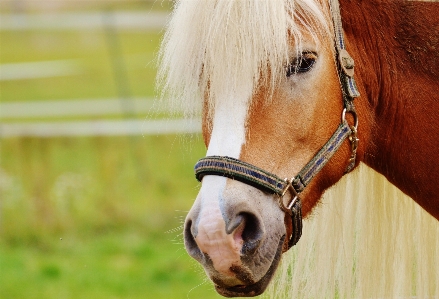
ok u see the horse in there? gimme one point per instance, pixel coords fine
(305, 90)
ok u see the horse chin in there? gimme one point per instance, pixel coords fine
(257, 288)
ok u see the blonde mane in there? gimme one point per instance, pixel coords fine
(365, 240)
(211, 47)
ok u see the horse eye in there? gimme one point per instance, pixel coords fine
(302, 64)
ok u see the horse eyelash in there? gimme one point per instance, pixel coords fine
(302, 64)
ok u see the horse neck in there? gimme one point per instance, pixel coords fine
(395, 44)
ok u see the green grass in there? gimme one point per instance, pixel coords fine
(94, 217)
(114, 265)
(91, 50)
(103, 180)
(98, 218)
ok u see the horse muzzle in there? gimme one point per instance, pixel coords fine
(236, 233)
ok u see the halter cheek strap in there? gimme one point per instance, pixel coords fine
(270, 183)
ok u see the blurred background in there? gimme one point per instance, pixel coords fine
(95, 176)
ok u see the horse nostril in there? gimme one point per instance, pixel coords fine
(189, 241)
(248, 228)
(252, 235)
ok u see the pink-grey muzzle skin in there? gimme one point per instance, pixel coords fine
(230, 239)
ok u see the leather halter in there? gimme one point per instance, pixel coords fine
(268, 182)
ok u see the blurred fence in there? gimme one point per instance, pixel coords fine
(83, 20)
(124, 114)
(93, 108)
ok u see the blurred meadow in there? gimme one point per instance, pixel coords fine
(91, 213)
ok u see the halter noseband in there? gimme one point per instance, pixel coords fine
(268, 182)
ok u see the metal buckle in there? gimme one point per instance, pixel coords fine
(290, 187)
(346, 62)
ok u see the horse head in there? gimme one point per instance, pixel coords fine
(265, 74)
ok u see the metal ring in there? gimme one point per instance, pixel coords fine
(354, 114)
(292, 202)
(294, 193)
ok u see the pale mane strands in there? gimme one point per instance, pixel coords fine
(212, 47)
(366, 240)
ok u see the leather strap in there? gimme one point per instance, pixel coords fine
(241, 171)
(264, 180)
(345, 63)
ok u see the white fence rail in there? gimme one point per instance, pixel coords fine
(84, 20)
(100, 128)
(17, 118)
(80, 107)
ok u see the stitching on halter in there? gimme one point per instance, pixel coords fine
(241, 171)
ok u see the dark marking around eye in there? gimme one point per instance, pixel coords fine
(302, 64)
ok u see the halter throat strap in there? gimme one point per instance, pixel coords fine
(263, 180)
